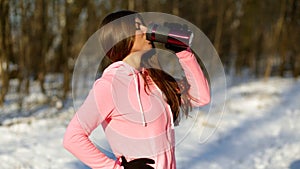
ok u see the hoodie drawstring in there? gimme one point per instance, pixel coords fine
(139, 98)
(140, 102)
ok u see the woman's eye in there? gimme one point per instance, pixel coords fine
(138, 26)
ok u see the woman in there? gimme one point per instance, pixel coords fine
(137, 106)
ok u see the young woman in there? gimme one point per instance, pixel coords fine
(136, 105)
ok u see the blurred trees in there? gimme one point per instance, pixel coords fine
(41, 37)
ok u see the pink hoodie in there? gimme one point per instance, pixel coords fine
(136, 123)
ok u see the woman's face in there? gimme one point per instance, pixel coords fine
(140, 41)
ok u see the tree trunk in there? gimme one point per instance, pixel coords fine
(5, 41)
(294, 27)
(131, 5)
(276, 38)
(219, 27)
(175, 7)
(41, 41)
(24, 53)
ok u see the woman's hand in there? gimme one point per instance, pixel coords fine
(140, 163)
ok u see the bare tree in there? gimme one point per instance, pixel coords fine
(131, 4)
(24, 50)
(275, 37)
(219, 24)
(292, 37)
(39, 41)
(72, 12)
(5, 48)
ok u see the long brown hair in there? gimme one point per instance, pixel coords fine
(116, 36)
(175, 90)
(117, 39)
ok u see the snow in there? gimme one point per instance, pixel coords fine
(258, 130)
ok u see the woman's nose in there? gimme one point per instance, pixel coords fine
(144, 28)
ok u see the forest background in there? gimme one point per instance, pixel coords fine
(44, 37)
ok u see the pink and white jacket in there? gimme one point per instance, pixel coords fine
(136, 123)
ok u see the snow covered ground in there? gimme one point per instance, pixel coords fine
(259, 130)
